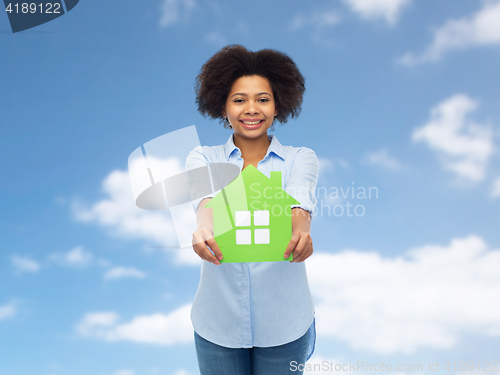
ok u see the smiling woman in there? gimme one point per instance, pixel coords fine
(220, 72)
(251, 104)
(250, 109)
(254, 318)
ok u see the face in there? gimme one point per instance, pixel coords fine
(250, 107)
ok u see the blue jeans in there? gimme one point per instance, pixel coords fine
(284, 359)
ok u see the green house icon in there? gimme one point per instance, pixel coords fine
(252, 218)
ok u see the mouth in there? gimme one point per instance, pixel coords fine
(251, 124)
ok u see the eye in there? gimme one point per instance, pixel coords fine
(264, 99)
(239, 100)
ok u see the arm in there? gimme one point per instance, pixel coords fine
(302, 185)
(301, 243)
(204, 235)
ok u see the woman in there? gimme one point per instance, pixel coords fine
(254, 318)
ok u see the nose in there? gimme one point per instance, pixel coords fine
(251, 108)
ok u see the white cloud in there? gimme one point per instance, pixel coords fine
(25, 264)
(428, 298)
(463, 146)
(480, 29)
(7, 311)
(318, 21)
(103, 262)
(121, 272)
(161, 329)
(125, 372)
(93, 320)
(389, 10)
(173, 11)
(182, 372)
(329, 164)
(216, 39)
(495, 189)
(187, 256)
(325, 164)
(118, 213)
(383, 159)
(77, 257)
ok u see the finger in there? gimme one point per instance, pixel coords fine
(209, 257)
(299, 248)
(306, 253)
(205, 254)
(207, 233)
(309, 253)
(198, 238)
(196, 244)
(200, 248)
(215, 248)
(291, 245)
(201, 235)
(303, 249)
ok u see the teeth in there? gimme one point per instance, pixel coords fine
(251, 122)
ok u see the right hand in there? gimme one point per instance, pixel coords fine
(203, 241)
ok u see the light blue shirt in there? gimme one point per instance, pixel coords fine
(241, 305)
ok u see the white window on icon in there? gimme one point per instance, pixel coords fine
(243, 237)
(261, 218)
(242, 218)
(260, 235)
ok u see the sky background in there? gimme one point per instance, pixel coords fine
(401, 96)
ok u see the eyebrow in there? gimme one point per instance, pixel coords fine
(242, 93)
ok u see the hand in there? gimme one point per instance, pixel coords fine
(201, 238)
(301, 245)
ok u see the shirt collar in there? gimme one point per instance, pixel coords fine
(275, 147)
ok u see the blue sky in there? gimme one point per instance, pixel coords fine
(400, 95)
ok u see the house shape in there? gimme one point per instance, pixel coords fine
(252, 218)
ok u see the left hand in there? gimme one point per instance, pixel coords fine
(300, 246)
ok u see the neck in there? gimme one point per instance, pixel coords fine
(252, 149)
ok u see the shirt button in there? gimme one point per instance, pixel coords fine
(260, 166)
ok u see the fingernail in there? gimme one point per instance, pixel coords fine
(220, 257)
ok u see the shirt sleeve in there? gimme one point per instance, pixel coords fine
(303, 179)
(197, 159)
